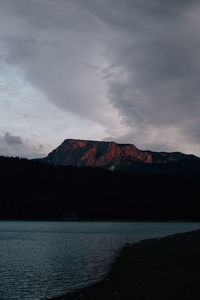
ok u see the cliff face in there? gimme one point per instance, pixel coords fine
(108, 155)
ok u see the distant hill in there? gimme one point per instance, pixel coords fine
(110, 155)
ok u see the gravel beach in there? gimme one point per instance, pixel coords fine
(165, 268)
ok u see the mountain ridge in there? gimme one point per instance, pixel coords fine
(109, 155)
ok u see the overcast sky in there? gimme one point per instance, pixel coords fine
(122, 70)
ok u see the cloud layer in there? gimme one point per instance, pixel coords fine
(131, 67)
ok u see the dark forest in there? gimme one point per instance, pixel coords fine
(35, 190)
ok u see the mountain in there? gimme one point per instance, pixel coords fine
(75, 182)
(110, 155)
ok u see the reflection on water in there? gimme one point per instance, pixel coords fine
(39, 260)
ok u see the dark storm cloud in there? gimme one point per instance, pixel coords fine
(155, 69)
(140, 57)
(12, 140)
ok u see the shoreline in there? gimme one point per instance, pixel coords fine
(166, 268)
(107, 220)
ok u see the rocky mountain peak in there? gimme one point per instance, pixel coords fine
(108, 155)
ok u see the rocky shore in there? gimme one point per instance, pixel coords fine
(159, 269)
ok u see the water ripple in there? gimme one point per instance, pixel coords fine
(39, 260)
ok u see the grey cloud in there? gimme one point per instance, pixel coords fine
(58, 59)
(11, 145)
(94, 58)
(160, 63)
(12, 140)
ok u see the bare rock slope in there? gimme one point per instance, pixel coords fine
(108, 155)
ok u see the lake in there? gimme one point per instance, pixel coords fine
(39, 260)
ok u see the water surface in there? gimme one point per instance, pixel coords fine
(39, 260)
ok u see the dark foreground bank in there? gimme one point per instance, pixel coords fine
(161, 268)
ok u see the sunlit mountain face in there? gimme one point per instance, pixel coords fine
(109, 155)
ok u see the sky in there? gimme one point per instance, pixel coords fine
(121, 70)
